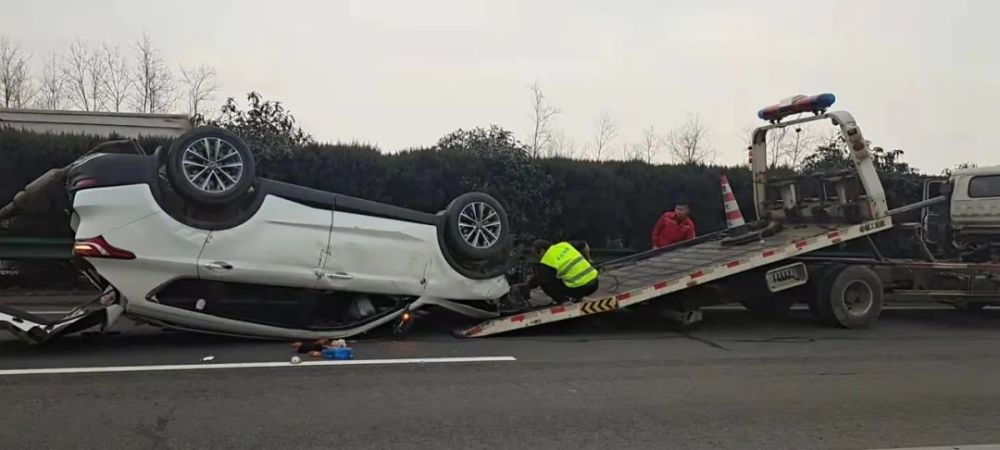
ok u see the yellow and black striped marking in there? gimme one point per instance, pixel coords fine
(598, 306)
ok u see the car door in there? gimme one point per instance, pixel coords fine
(378, 255)
(284, 244)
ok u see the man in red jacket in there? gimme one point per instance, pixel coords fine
(673, 227)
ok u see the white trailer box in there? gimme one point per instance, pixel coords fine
(129, 125)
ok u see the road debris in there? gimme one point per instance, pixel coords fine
(308, 347)
(325, 348)
(209, 358)
(338, 353)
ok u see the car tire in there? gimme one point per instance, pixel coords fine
(477, 227)
(854, 299)
(210, 166)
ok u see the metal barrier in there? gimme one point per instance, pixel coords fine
(35, 248)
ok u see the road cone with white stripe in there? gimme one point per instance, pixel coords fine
(734, 217)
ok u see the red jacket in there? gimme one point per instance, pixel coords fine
(668, 231)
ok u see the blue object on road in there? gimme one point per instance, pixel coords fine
(339, 353)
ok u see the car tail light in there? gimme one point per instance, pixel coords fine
(99, 248)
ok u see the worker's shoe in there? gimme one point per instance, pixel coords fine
(514, 301)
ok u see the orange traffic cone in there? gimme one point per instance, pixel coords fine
(734, 217)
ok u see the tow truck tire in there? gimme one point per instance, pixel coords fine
(820, 280)
(855, 297)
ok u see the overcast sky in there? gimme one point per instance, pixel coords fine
(923, 76)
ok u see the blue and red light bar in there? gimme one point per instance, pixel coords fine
(797, 105)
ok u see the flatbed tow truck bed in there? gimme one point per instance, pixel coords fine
(653, 274)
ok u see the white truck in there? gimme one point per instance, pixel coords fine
(816, 246)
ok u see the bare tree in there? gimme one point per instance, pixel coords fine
(650, 146)
(95, 81)
(51, 87)
(775, 142)
(84, 72)
(154, 83)
(562, 145)
(607, 131)
(799, 146)
(629, 152)
(117, 80)
(15, 81)
(75, 74)
(788, 146)
(689, 143)
(542, 115)
(200, 85)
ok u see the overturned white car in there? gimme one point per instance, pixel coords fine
(191, 239)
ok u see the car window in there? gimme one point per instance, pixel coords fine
(987, 186)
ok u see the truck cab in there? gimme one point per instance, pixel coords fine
(967, 221)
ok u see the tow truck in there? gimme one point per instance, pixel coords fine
(818, 237)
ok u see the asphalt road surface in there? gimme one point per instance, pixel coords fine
(922, 378)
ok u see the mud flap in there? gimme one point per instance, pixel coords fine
(35, 329)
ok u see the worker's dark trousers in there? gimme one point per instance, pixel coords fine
(559, 292)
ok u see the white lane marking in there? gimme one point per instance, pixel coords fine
(708, 308)
(805, 308)
(949, 447)
(254, 365)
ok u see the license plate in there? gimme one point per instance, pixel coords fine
(787, 277)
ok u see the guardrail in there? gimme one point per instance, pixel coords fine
(12, 247)
(96, 123)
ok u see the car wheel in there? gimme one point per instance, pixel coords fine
(855, 297)
(210, 166)
(477, 227)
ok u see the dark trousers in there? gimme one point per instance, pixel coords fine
(559, 292)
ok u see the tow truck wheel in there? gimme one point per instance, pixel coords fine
(821, 281)
(855, 297)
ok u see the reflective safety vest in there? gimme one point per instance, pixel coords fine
(571, 267)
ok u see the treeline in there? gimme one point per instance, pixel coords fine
(89, 76)
(612, 204)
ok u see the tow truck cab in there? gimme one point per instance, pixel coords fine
(966, 223)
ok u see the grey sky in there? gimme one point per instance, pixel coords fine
(919, 75)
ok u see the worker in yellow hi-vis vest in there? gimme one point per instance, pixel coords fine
(564, 272)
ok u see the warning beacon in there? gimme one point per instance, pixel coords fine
(798, 104)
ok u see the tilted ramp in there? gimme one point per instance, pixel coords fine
(653, 274)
